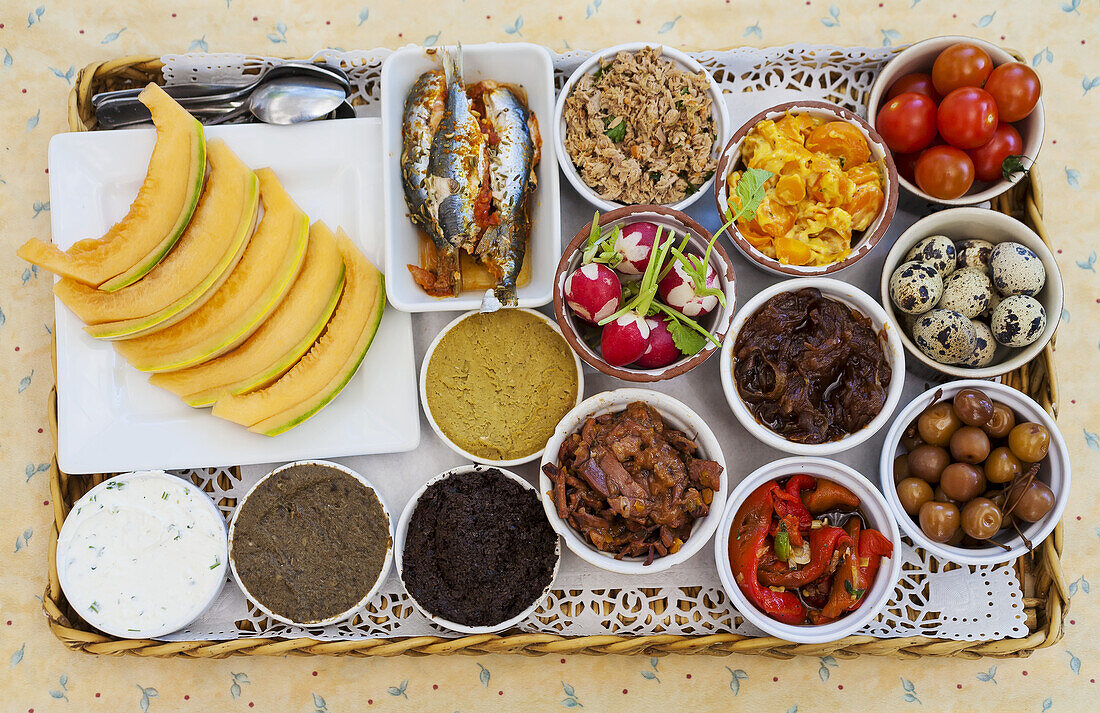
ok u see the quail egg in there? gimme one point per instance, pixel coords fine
(1018, 321)
(985, 347)
(973, 252)
(966, 291)
(1016, 270)
(945, 335)
(915, 287)
(937, 251)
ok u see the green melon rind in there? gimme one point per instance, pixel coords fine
(181, 308)
(248, 325)
(280, 366)
(196, 176)
(282, 422)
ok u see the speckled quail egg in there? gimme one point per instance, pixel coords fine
(937, 251)
(915, 287)
(1016, 270)
(985, 347)
(966, 291)
(973, 252)
(945, 335)
(1018, 321)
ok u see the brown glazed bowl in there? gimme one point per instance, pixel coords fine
(575, 330)
(862, 242)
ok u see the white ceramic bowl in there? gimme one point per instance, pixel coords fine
(518, 63)
(1054, 471)
(718, 321)
(439, 431)
(682, 61)
(348, 613)
(862, 242)
(399, 550)
(207, 509)
(851, 296)
(995, 227)
(878, 516)
(677, 415)
(919, 57)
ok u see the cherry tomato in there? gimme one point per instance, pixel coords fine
(987, 158)
(907, 122)
(1016, 89)
(906, 164)
(918, 83)
(967, 118)
(944, 172)
(961, 65)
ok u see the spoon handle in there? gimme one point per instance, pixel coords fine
(176, 91)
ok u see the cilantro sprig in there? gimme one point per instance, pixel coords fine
(750, 191)
(615, 130)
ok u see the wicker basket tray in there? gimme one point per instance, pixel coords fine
(1045, 593)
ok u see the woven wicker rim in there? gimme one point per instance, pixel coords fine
(1041, 572)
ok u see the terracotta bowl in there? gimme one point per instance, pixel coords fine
(717, 322)
(862, 242)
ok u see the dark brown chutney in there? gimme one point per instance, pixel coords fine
(478, 550)
(810, 368)
(310, 542)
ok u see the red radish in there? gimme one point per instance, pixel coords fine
(677, 290)
(634, 246)
(624, 339)
(593, 292)
(660, 350)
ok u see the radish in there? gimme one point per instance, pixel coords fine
(680, 289)
(635, 246)
(624, 339)
(660, 350)
(593, 292)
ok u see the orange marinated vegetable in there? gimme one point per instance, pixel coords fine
(825, 187)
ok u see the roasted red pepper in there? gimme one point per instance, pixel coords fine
(829, 496)
(789, 504)
(873, 546)
(852, 579)
(748, 542)
(824, 541)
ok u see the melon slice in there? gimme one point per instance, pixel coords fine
(280, 341)
(253, 290)
(214, 242)
(330, 363)
(158, 215)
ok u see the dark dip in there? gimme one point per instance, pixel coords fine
(478, 550)
(810, 368)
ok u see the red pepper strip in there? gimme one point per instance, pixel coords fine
(823, 541)
(847, 588)
(787, 502)
(873, 546)
(748, 540)
(790, 524)
(829, 496)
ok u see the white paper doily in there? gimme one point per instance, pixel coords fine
(961, 603)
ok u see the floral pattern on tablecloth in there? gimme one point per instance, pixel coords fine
(43, 43)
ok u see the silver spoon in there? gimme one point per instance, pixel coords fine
(289, 100)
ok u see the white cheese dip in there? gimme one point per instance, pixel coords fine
(142, 554)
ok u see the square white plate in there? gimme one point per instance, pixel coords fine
(111, 419)
(518, 63)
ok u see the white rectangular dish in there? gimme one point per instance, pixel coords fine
(110, 419)
(526, 65)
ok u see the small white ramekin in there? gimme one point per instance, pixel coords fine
(682, 61)
(677, 415)
(919, 57)
(399, 550)
(348, 613)
(1055, 472)
(994, 227)
(878, 517)
(851, 296)
(439, 431)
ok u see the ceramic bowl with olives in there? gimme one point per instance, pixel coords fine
(975, 472)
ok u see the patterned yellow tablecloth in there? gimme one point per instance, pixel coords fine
(44, 42)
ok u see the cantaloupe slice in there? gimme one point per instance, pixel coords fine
(214, 242)
(280, 341)
(158, 215)
(253, 290)
(330, 363)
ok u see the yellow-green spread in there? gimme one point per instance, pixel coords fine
(498, 383)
